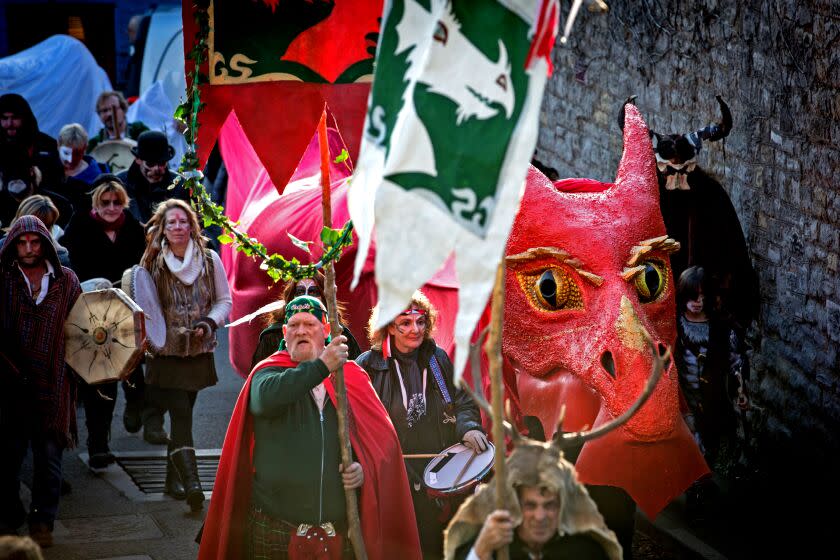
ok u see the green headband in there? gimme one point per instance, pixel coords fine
(305, 304)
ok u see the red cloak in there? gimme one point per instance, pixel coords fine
(385, 506)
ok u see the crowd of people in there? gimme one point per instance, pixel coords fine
(68, 221)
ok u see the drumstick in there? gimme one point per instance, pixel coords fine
(424, 455)
(463, 470)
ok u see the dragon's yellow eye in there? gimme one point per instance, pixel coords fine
(652, 281)
(551, 289)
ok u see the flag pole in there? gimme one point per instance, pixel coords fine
(493, 349)
(353, 521)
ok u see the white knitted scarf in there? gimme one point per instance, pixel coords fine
(186, 270)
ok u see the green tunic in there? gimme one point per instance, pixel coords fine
(296, 451)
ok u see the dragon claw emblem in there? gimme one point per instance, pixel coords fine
(482, 93)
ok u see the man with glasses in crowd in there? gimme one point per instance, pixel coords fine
(111, 107)
(148, 178)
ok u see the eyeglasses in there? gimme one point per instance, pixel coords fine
(109, 202)
(311, 290)
(106, 110)
(152, 164)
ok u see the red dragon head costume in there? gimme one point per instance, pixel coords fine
(588, 274)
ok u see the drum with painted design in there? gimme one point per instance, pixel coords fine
(116, 153)
(104, 336)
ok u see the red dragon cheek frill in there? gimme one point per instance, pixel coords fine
(588, 275)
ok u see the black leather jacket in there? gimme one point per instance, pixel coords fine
(387, 386)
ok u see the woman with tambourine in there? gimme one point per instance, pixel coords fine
(413, 378)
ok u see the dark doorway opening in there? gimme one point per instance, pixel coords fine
(93, 24)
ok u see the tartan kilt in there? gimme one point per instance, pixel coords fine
(268, 538)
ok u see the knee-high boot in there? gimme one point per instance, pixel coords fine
(185, 463)
(173, 485)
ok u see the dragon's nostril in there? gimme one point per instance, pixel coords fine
(608, 363)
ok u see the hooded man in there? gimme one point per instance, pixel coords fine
(148, 179)
(280, 487)
(19, 128)
(37, 391)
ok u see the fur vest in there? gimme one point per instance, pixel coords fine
(183, 305)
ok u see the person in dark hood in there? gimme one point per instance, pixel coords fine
(20, 178)
(37, 390)
(19, 128)
(148, 179)
(43, 208)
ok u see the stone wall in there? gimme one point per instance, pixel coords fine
(777, 65)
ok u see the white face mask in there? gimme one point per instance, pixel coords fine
(16, 186)
(65, 153)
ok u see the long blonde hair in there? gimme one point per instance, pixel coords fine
(156, 226)
(39, 206)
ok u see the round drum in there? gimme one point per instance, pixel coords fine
(458, 470)
(104, 336)
(116, 153)
(138, 284)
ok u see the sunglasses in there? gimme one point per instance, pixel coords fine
(110, 202)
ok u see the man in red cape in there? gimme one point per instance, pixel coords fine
(262, 477)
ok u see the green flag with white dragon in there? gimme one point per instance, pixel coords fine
(451, 126)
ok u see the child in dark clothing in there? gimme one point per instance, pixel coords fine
(710, 372)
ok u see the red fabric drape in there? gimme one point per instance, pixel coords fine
(268, 216)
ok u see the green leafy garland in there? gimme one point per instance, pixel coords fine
(212, 214)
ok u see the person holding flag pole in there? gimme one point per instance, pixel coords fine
(451, 125)
(262, 506)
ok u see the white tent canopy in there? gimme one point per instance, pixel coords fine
(61, 81)
(155, 110)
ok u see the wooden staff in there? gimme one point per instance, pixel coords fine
(353, 522)
(493, 348)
